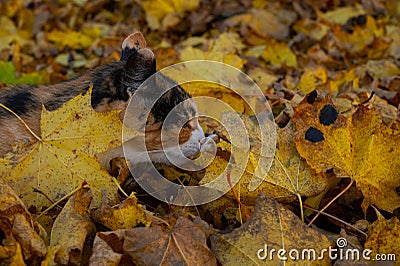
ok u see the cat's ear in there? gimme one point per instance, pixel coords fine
(140, 65)
(132, 43)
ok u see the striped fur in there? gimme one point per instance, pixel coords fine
(113, 85)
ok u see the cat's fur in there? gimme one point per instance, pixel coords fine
(113, 85)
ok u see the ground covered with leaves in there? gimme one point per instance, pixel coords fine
(330, 71)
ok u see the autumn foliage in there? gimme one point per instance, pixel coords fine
(330, 71)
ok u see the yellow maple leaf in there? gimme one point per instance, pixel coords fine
(383, 237)
(382, 69)
(74, 39)
(342, 14)
(64, 156)
(287, 177)
(311, 78)
(345, 77)
(157, 10)
(359, 146)
(263, 79)
(128, 214)
(223, 49)
(270, 228)
(277, 54)
(359, 38)
(290, 172)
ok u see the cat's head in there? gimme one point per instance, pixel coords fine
(171, 128)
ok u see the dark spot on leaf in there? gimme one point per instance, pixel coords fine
(314, 135)
(312, 96)
(328, 115)
(329, 171)
(361, 20)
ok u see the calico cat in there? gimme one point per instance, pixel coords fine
(113, 86)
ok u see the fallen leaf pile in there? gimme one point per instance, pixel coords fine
(20, 234)
(330, 71)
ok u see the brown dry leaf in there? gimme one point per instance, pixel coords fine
(107, 248)
(185, 243)
(359, 146)
(64, 157)
(19, 230)
(266, 23)
(11, 253)
(311, 28)
(383, 237)
(9, 246)
(270, 227)
(128, 214)
(71, 229)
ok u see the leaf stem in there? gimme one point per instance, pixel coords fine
(337, 219)
(228, 177)
(301, 206)
(22, 121)
(115, 181)
(83, 184)
(330, 202)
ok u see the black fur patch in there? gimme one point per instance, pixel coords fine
(108, 85)
(167, 102)
(21, 101)
(58, 99)
(126, 52)
(137, 69)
